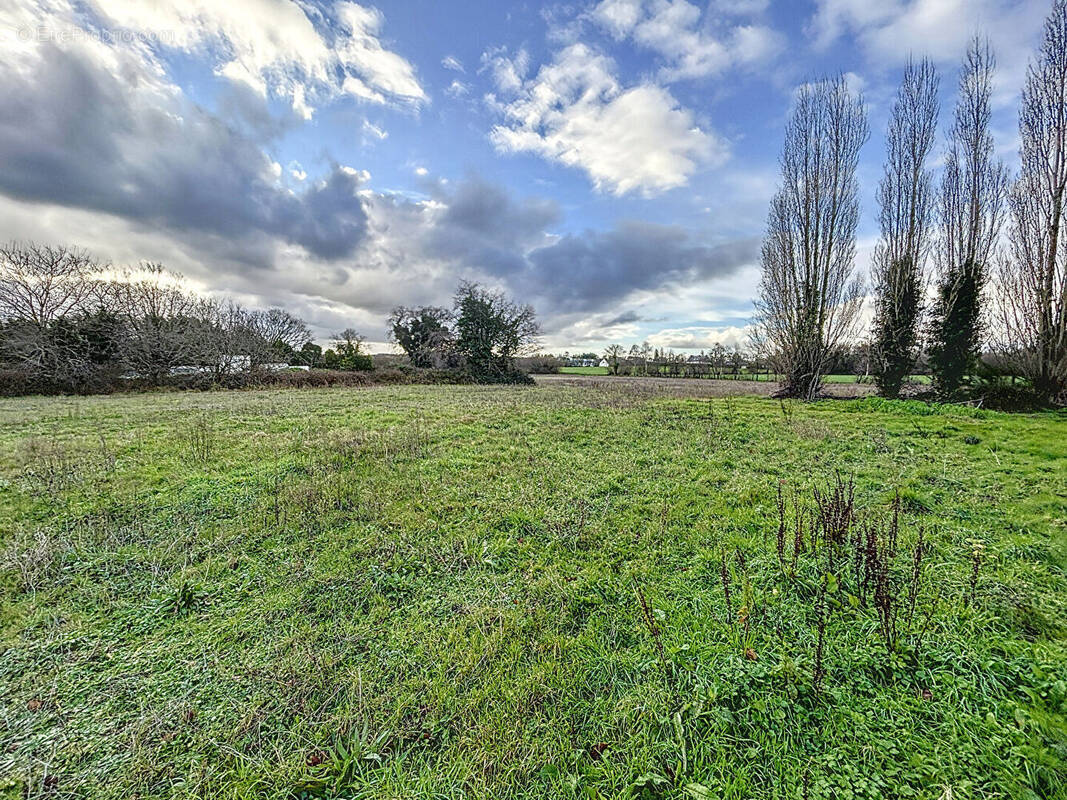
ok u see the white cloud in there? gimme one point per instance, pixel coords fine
(575, 112)
(373, 131)
(618, 17)
(457, 89)
(452, 63)
(674, 30)
(939, 29)
(755, 43)
(357, 88)
(507, 72)
(361, 175)
(701, 338)
(362, 51)
(274, 46)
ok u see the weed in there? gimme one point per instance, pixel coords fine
(653, 628)
(32, 557)
(779, 537)
(835, 507)
(977, 552)
(181, 599)
(48, 466)
(199, 438)
(724, 576)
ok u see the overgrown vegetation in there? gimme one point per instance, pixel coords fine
(420, 591)
(483, 335)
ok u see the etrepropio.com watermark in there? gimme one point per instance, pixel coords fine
(72, 33)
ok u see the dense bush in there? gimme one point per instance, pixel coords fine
(538, 365)
(15, 383)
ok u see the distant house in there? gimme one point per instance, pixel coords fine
(603, 363)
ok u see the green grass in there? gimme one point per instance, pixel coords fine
(919, 379)
(435, 592)
(584, 371)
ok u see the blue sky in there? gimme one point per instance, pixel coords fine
(610, 162)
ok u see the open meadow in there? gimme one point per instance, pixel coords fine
(564, 590)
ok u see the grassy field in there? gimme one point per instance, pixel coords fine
(830, 379)
(584, 371)
(549, 591)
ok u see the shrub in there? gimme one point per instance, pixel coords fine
(538, 365)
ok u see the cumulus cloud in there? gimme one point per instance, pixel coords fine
(940, 28)
(452, 63)
(676, 31)
(618, 17)
(507, 71)
(574, 111)
(276, 46)
(97, 126)
(577, 281)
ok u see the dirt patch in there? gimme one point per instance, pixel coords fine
(691, 387)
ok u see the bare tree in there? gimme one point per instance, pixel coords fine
(1033, 277)
(58, 322)
(613, 353)
(906, 202)
(349, 342)
(275, 335)
(221, 331)
(39, 284)
(971, 206)
(156, 309)
(809, 296)
(718, 359)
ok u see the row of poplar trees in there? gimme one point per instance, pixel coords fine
(999, 254)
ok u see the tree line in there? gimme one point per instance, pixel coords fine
(718, 361)
(70, 323)
(1010, 299)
